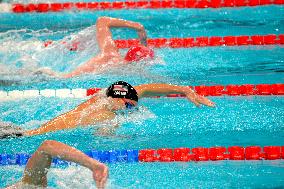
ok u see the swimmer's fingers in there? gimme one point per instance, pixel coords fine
(143, 37)
(100, 175)
(205, 101)
(101, 183)
(193, 99)
(105, 177)
(198, 100)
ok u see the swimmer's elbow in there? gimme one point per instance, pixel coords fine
(103, 20)
(48, 143)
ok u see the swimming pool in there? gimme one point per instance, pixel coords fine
(160, 123)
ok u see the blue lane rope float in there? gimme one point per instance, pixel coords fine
(111, 156)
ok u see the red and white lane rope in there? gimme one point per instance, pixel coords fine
(189, 42)
(215, 90)
(141, 4)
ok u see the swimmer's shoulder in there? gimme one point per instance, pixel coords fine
(90, 101)
(98, 98)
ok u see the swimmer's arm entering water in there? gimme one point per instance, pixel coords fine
(37, 167)
(164, 89)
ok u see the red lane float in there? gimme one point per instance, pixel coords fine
(230, 90)
(270, 39)
(212, 153)
(190, 42)
(181, 154)
(236, 153)
(152, 4)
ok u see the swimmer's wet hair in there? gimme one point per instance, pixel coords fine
(121, 89)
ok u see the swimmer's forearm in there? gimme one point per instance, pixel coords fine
(68, 153)
(158, 89)
(115, 22)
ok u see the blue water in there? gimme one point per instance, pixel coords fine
(161, 122)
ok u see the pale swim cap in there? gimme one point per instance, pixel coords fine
(121, 89)
(137, 53)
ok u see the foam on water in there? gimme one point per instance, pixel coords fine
(22, 51)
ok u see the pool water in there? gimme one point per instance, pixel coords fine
(159, 123)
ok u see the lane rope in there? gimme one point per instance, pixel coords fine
(165, 155)
(214, 90)
(189, 42)
(142, 4)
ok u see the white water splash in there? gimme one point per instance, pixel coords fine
(22, 52)
(137, 117)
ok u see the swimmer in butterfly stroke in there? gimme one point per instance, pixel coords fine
(35, 173)
(105, 105)
(109, 53)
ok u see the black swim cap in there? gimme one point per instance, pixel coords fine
(121, 89)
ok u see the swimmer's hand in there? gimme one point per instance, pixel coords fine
(197, 99)
(142, 36)
(100, 174)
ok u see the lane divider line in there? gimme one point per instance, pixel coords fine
(183, 154)
(190, 42)
(142, 4)
(215, 90)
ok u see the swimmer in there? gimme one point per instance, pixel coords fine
(35, 173)
(106, 104)
(109, 53)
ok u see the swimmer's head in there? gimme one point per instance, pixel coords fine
(139, 52)
(121, 89)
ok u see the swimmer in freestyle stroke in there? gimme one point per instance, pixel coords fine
(106, 105)
(109, 53)
(35, 173)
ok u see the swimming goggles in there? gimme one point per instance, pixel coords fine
(128, 105)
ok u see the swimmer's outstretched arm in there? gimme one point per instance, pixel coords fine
(163, 89)
(36, 169)
(84, 114)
